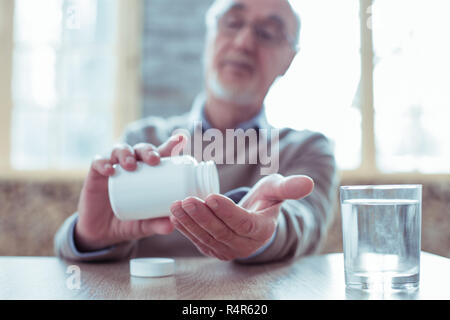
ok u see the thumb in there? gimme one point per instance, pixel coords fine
(173, 146)
(292, 187)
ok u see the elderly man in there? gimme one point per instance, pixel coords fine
(256, 218)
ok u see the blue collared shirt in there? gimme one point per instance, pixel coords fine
(197, 115)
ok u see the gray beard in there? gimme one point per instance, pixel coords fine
(234, 96)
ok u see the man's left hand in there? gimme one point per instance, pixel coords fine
(220, 228)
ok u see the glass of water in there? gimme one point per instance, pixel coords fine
(381, 229)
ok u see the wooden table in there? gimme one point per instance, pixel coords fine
(315, 277)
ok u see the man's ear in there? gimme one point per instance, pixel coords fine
(288, 62)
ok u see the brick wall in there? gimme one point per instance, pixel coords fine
(172, 69)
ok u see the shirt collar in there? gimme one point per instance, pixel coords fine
(197, 116)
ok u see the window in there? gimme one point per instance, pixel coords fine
(63, 82)
(320, 90)
(412, 85)
(388, 117)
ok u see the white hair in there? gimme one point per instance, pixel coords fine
(219, 6)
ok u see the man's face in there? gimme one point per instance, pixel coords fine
(249, 47)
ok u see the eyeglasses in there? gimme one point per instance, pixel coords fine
(269, 33)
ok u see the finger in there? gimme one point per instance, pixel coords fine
(200, 246)
(175, 143)
(131, 230)
(246, 224)
(198, 232)
(102, 166)
(147, 153)
(201, 214)
(155, 226)
(125, 156)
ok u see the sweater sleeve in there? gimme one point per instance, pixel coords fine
(65, 247)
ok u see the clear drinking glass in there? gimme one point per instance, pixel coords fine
(381, 229)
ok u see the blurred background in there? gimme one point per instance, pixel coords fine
(373, 75)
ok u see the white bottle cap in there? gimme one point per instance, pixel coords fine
(152, 267)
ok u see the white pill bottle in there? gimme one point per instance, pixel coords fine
(149, 191)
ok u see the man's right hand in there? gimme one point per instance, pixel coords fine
(97, 226)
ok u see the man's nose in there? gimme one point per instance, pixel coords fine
(245, 39)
